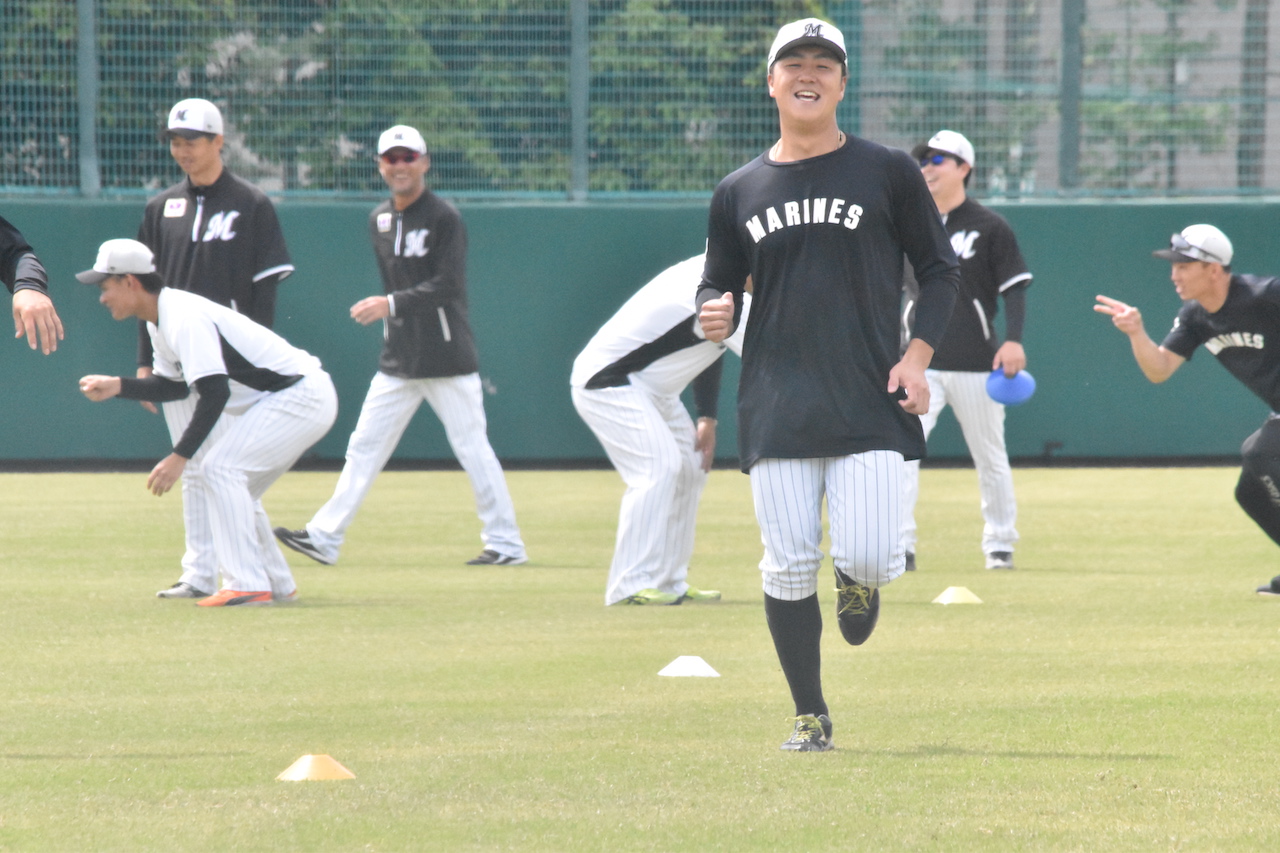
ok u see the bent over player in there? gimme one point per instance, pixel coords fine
(991, 268)
(428, 353)
(826, 408)
(281, 399)
(215, 234)
(1237, 319)
(626, 385)
(24, 276)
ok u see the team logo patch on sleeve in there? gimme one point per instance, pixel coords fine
(175, 207)
(384, 222)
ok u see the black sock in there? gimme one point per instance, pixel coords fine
(796, 627)
(1255, 499)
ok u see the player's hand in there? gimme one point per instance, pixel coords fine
(34, 316)
(371, 309)
(143, 373)
(908, 376)
(98, 388)
(1124, 317)
(716, 318)
(705, 441)
(167, 472)
(1011, 357)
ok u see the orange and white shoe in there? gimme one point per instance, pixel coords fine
(234, 597)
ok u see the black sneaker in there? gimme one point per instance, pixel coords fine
(911, 561)
(857, 609)
(490, 557)
(300, 541)
(812, 734)
(1000, 560)
(1272, 588)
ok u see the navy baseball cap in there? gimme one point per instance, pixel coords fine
(808, 31)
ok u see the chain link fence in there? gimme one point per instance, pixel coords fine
(636, 98)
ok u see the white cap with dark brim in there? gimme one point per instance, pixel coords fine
(194, 117)
(948, 142)
(808, 31)
(1198, 243)
(119, 257)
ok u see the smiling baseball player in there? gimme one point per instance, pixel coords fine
(282, 401)
(215, 234)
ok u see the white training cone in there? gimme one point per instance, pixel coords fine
(315, 768)
(957, 595)
(689, 665)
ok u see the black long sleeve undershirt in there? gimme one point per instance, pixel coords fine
(214, 393)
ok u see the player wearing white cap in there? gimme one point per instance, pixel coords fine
(217, 235)
(1237, 319)
(991, 268)
(274, 401)
(428, 353)
(826, 407)
(23, 274)
(626, 384)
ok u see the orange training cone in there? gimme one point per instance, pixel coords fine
(315, 768)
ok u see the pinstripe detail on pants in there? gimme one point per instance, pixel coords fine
(863, 493)
(650, 440)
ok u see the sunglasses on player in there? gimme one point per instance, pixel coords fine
(392, 158)
(1182, 246)
(934, 159)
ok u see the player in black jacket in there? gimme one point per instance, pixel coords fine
(24, 276)
(216, 235)
(428, 353)
(826, 408)
(1237, 319)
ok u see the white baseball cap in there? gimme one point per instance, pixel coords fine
(119, 257)
(808, 31)
(1198, 243)
(948, 142)
(401, 136)
(194, 117)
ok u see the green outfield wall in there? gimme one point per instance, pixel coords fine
(543, 277)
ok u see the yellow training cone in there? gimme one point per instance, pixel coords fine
(315, 768)
(957, 595)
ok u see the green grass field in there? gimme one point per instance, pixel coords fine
(1119, 691)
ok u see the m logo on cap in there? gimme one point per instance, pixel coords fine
(181, 115)
(813, 31)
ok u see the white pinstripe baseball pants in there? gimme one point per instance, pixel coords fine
(388, 408)
(200, 561)
(650, 440)
(256, 448)
(863, 493)
(982, 422)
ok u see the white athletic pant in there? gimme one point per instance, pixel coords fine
(650, 440)
(251, 454)
(982, 422)
(388, 408)
(863, 492)
(199, 562)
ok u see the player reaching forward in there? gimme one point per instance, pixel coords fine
(274, 401)
(1237, 319)
(24, 276)
(826, 408)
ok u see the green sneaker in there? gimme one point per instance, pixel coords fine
(857, 609)
(695, 594)
(651, 596)
(812, 734)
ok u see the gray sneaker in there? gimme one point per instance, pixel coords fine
(181, 589)
(300, 541)
(812, 734)
(1000, 560)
